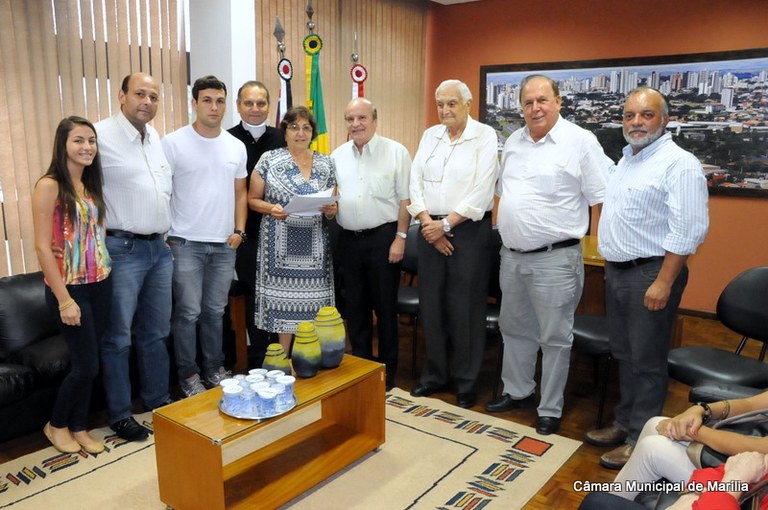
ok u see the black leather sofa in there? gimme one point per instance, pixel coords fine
(33, 356)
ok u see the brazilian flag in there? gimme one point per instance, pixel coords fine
(312, 46)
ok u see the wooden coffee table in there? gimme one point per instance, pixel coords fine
(206, 459)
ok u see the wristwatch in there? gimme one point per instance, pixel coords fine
(446, 225)
(242, 234)
(402, 235)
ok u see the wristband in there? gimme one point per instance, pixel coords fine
(707, 412)
(402, 235)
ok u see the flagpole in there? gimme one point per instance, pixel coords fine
(312, 46)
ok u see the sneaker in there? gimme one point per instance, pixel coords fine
(192, 385)
(215, 378)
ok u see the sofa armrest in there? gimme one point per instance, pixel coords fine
(16, 382)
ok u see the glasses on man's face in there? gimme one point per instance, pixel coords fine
(307, 128)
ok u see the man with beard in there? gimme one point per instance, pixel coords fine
(654, 216)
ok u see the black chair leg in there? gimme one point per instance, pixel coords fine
(415, 322)
(603, 390)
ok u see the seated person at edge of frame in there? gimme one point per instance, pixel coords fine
(661, 448)
(720, 488)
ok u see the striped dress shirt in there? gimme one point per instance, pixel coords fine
(656, 202)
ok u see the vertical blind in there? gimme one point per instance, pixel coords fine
(68, 57)
(391, 38)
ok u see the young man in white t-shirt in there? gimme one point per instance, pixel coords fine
(208, 212)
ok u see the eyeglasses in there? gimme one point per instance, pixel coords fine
(307, 128)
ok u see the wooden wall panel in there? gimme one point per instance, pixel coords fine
(391, 38)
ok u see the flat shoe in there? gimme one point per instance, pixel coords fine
(66, 447)
(91, 445)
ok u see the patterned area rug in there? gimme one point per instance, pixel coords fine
(435, 456)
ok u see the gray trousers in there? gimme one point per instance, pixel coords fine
(540, 292)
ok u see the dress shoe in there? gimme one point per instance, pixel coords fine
(616, 458)
(70, 446)
(606, 436)
(546, 425)
(129, 429)
(466, 400)
(422, 390)
(505, 403)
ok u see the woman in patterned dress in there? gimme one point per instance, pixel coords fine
(294, 274)
(68, 210)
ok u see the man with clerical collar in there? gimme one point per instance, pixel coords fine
(253, 107)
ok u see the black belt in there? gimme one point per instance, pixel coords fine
(368, 231)
(123, 234)
(550, 247)
(628, 264)
(487, 214)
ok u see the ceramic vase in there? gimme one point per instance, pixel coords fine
(276, 359)
(305, 355)
(332, 336)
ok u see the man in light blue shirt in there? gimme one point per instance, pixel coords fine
(654, 216)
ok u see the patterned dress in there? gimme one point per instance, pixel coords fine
(294, 273)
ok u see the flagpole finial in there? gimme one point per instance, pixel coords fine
(310, 11)
(355, 55)
(279, 34)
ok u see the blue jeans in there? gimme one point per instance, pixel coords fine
(202, 276)
(141, 289)
(640, 342)
(74, 397)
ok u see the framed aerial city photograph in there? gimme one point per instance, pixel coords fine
(718, 107)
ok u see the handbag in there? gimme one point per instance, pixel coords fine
(753, 423)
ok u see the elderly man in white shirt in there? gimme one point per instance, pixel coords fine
(372, 173)
(452, 183)
(552, 171)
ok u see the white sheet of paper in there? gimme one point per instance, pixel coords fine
(309, 205)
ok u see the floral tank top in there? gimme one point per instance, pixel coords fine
(86, 259)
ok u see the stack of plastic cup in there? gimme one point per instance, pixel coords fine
(232, 399)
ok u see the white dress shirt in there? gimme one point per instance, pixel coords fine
(137, 177)
(372, 183)
(455, 176)
(656, 202)
(546, 187)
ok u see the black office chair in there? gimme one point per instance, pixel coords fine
(492, 331)
(743, 308)
(590, 337)
(408, 295)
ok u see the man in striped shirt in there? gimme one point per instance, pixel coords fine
(654, 216)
